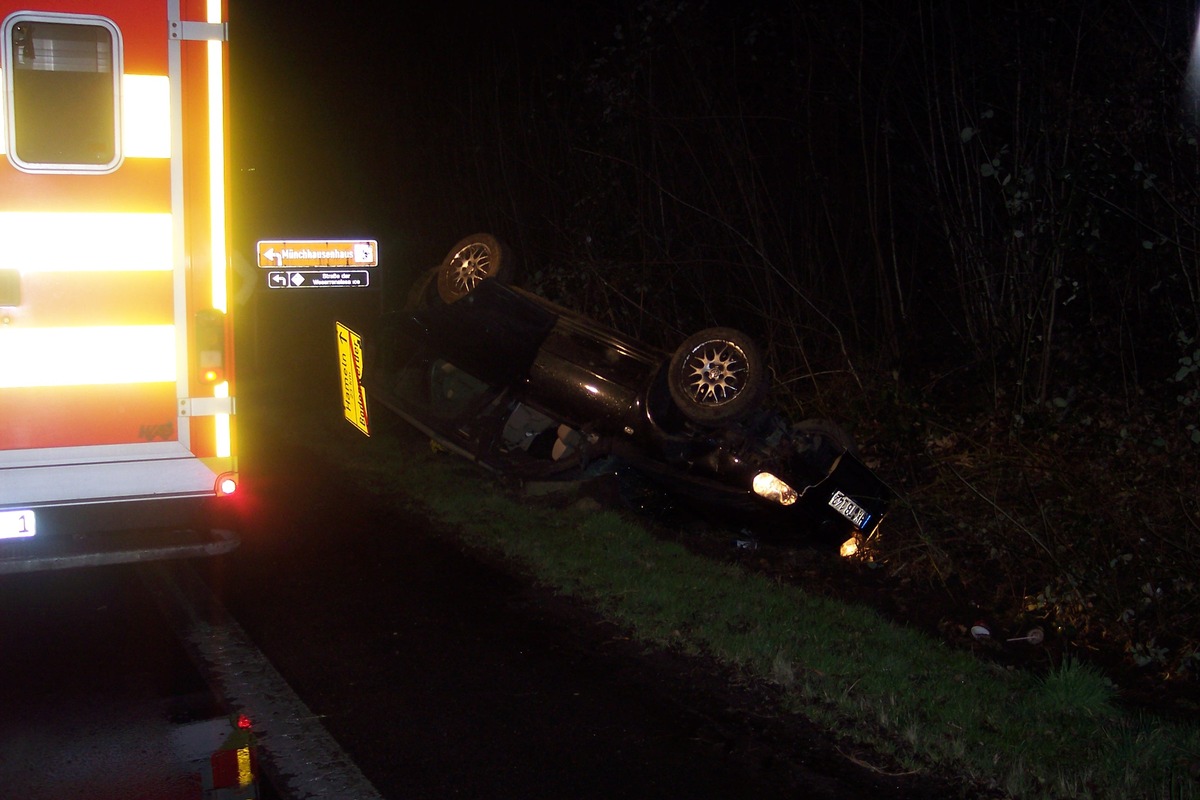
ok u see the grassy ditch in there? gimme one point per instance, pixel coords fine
(922, 704)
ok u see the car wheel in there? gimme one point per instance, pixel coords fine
(716, 376)
(820, 442)
(474, 259)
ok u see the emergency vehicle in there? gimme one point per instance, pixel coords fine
(117, 412)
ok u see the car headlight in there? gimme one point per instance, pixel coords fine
(768, 486)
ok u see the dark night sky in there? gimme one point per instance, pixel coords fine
(342, 118)
(358, 119)
(336, 111)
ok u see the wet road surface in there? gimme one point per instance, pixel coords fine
(437, 673)
(98, 698)
(442, 674)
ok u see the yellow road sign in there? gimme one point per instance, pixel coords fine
(276, 254)
(354, 397)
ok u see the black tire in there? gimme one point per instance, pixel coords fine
(422, 291)
(820, 442)
(476, 258)
(717, 376)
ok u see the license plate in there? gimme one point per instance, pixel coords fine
(18, 524)
(849, 509)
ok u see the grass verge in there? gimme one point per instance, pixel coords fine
(925, 705)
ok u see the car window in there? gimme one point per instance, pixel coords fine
(62, 80)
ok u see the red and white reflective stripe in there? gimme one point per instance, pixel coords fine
(146, 108)
(85, 241)
(113, 267)
(146, 114)
(216, 160)
(214, 13)
(97, 305)
(86, 355)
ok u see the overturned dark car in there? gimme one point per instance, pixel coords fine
(533, 390)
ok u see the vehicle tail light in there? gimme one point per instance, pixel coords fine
(227, 484)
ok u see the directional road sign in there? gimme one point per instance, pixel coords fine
(318, 279)
(279, 254)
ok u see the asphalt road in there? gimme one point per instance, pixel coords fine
(98, 697)
(443, 674)
(376, 659)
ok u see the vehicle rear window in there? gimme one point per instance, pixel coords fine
(62, 74)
